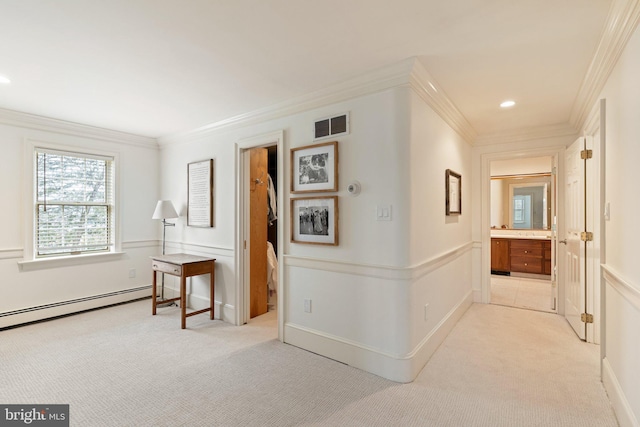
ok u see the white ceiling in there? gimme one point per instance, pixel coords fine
(160, 67)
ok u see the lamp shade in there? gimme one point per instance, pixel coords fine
(164, 209)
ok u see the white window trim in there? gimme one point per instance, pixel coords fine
(29, 193)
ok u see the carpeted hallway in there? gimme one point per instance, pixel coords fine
(121, 366)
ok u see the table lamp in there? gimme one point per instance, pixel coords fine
(165, 210)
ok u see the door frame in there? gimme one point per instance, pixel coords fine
(557, 153)
(242, 147)
(596, 124)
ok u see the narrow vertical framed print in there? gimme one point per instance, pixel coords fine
(200, 194)
(453, 186)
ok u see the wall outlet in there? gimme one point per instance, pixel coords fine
(426, 312)
(307, 306)
(132, 273)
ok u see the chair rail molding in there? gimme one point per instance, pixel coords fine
(628, 291)
(380, 271)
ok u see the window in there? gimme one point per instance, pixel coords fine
(74, 206)
(518, 210)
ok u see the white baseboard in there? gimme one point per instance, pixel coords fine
(34, 314)
(423, 352)
(224, 312)
(619, 402)
(399, 368)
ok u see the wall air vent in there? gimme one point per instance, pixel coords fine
(332, 126)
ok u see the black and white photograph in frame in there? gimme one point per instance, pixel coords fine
(314, 168)
(314, 220)
(453, 184)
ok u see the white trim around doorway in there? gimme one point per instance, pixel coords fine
(242, 181)
(557, 153)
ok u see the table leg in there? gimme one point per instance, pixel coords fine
(153, 294)
(183, 299)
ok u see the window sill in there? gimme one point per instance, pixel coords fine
(66, 261)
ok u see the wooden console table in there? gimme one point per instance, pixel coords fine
(183, 266)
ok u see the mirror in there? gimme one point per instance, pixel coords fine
(521, 202)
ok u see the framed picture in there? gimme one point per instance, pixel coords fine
(314, 168)
(200, 194)
(314, 220)
(454, 192)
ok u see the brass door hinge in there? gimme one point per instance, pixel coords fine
(586, 154)
(586, 318)
(586, 236)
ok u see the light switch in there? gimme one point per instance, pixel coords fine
(383, 212)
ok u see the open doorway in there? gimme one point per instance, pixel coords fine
(260, 231)
(583, 264)
(523, 211)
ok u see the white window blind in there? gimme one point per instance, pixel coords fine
(74, 203)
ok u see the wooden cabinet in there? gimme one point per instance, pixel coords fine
(546, 257)
(527, 256)
(521, 256)
(500, 255)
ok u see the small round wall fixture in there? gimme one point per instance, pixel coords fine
(354, 188)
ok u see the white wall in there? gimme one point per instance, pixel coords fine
(368, 293)
(440, 245)
(34, 285)
(529, 165)
(621, 373)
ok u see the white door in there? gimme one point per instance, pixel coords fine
(575, 278)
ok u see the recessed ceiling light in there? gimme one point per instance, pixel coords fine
(507, 104)
(4, 80)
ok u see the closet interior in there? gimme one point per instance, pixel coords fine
(263, 230)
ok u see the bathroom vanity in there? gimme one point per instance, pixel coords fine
(521, 255)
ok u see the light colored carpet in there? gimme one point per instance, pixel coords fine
(121, 366)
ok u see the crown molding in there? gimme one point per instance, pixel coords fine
(409, 72)
(426, 87)
(47, 124)
(620, 25)
(527, 134)
(369, 83)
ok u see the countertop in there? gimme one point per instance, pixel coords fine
(524, 234)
